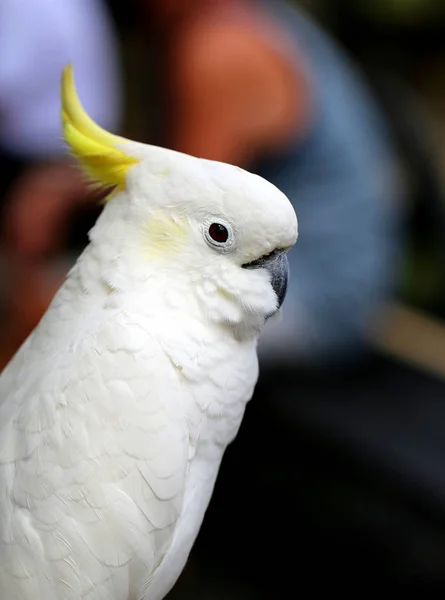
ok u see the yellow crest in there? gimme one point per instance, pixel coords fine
(96, 149)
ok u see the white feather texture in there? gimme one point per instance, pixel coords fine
(116, 412)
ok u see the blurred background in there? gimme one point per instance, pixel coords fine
(337, 478)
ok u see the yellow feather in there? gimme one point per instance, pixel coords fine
(163, 234)
(94, 147)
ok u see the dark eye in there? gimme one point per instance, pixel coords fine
(218, 233)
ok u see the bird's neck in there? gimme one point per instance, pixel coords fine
(114, 281)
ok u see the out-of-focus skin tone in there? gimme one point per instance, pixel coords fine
(29, 236)
(55, 188)
(233, 81)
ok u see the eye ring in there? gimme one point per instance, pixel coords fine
(218, 234)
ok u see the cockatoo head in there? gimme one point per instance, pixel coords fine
(196, 224)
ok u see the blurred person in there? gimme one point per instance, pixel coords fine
(38, 185)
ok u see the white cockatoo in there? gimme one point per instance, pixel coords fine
(116, 411)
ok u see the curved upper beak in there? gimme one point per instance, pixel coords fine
(278, 266)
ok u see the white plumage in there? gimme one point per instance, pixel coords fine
(116, 411)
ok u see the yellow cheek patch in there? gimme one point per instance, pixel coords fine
(224, 294)
(164, 235)
(95, 148)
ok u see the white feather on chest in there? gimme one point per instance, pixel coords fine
(100, 426)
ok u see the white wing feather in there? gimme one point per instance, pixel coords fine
(93, 460)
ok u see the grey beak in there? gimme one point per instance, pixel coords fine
(278, 266)
(279, 273)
